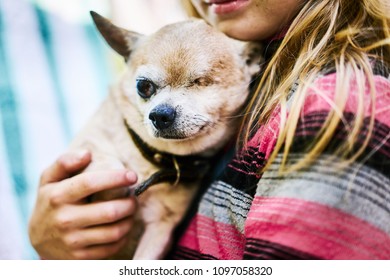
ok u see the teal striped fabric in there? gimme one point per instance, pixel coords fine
(53, 75)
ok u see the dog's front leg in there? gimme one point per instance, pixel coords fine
(155, 241)
(162, 208)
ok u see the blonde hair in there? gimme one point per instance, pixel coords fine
(345, 34)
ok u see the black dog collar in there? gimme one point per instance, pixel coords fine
(172, 168)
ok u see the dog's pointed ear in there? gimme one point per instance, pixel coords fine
(121, 40)
(253, 56)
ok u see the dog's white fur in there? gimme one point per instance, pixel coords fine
(201, 73)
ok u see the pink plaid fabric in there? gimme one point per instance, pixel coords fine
(317, 213)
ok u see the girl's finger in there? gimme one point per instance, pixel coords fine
(83, 185)
(100, 251)
(99, 235)
(94, 214)
(65, 166)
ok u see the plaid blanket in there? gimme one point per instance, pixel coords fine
(319, 212)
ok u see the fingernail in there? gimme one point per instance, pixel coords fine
(81, 154)
(131, 176)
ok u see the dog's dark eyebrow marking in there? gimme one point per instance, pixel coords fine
(177, 64)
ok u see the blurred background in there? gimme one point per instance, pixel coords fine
(54, 72)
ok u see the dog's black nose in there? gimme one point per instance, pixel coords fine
(162, 116)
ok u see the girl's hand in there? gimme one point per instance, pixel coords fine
(64, 226)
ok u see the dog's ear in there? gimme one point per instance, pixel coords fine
(253, 56)
(121, 40)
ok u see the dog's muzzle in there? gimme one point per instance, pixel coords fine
(162, 116)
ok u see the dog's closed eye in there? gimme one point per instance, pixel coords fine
(201, 82)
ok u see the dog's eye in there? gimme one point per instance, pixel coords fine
(145, 88)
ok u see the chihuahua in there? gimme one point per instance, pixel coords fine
(176, 106)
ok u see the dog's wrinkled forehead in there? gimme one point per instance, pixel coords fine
(188, 50)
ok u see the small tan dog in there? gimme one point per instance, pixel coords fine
(176, 106)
